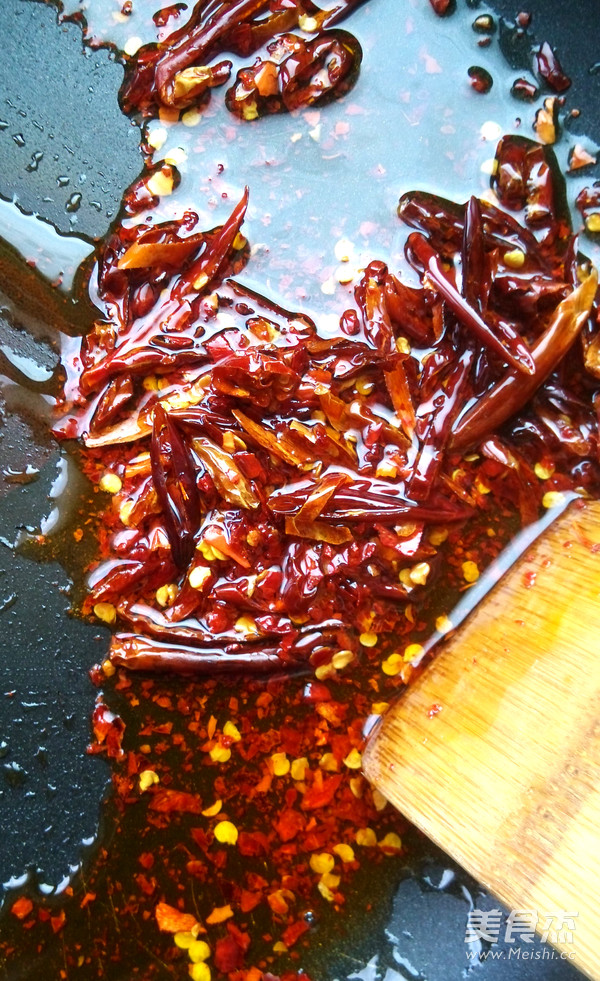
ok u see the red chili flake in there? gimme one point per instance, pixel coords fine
(550, 69)
(434, 710)
(230, 950)
(249, 900)
(294, 931)
(441, 7)
(108, 731)
(316, 691)
(22, 907)
(58, 921)
(167, 801)
(320, 792)
(173, 920)
(289, 824)
(253, 843)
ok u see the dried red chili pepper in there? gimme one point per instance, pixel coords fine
(513, 351)
(176, 73)
(513, 391)
(277, 484)
(175, 483)
(298, 74)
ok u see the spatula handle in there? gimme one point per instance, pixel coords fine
(505, 777)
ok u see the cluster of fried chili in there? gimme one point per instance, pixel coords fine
(280, 493)
(175, 73)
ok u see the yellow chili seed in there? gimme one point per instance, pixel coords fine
(437, 536)
(281, 764)
(308, 24)
(108, 668)
(325, 892)
(190, 118)
(391, 840)
(363, 386)
(199, 575)
(157, 137)
(413, 651)
(543, 471)
(324, 671)
(198, 951)
(343, 250)
(132, 45)
(419, 572)
(354, 759)
(592, 222)
(357, 786)
(213, 810)
(443, 624)
(199, 971)
(342, 659)
(231, 730)
(368, 639)
(298, 768)
(110, 483)
(165, 595)
(392, 665)
(345, 852)
(184, 939)
(515, 258)
(551, 499)
(386, 469)
(250, 111)
(106, 612)
(245, 625)
(379, 800)
(366, 837)
(470, 571)
(220, 754)
(160, 184)
(379, 708)
(125, 511)
(330, 880)
(147, 779)
(321, 862)
(226, 833)
(328, 762)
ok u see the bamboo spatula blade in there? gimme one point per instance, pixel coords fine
(505, 775)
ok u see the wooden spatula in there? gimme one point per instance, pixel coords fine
(505, 777)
